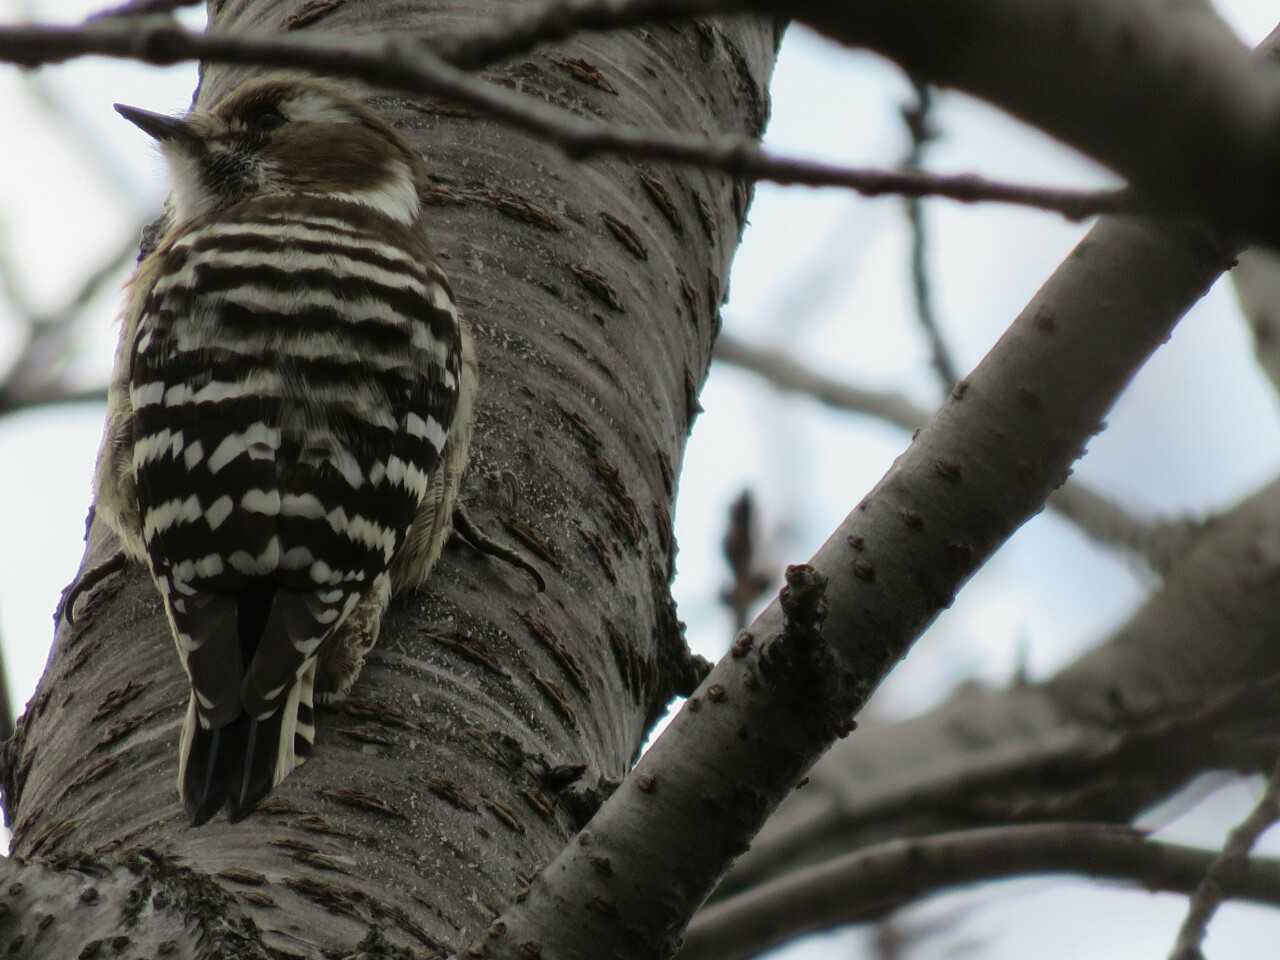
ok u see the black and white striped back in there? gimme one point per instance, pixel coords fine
(294, 378)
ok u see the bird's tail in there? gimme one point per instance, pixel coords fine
(239, 763)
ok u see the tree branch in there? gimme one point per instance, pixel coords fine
(919, 124)
(748, 580)
(786, 373)
(1099, 76)
(34, 379)
(984, 465)
(453, 749)
(1220, 876)
(1158, 543)
(1186, 684)
(395, 63)
(142, 8)
(1212, 158)
(864, 885)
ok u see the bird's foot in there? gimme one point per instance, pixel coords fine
(465, 529)
(85, 582)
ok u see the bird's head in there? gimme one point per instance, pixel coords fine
(276, 136)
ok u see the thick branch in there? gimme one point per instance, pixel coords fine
(138, 905)
(1175, 690)
(865, 884)
(985, 464)
(453, 749)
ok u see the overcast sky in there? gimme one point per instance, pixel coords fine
(821, 274)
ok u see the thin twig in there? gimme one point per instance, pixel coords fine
(920, 126)
(786, 373)
(397, 63)
(141, 8)
(1223, 874)
(34, 379)
(1160, 543)
(867, 883)
(740, 546)
(53, 395)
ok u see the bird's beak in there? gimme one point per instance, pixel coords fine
(161, 126)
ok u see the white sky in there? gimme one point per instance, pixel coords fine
(821, 273)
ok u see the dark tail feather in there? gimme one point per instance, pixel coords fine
(253, 773)
(273, 746)
(239, 764)
(200, 779)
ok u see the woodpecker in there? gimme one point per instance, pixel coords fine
(288, 417)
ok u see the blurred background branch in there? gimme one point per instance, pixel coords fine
(1096, 515)
(919, 122)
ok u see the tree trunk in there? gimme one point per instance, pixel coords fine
(450, 776)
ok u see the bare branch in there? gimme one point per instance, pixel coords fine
(52, 395)
(35, 379)
(396, 63)
(1213, 160)
(741, 543)
(1221, 875)
(1158, 542)
(1100, 76)
(920, 126)
(142, 8)
(787, 373)
(1141, 56)
(791, 683)
(864, 885)
(1046, 752)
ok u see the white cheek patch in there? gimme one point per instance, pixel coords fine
(191, 196)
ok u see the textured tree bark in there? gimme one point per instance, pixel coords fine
(447, 780)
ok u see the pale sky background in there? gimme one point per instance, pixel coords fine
(823, 274)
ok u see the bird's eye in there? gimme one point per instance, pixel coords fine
(267, 121)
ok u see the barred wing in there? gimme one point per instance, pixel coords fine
(295, 376)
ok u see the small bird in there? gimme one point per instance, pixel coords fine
(288, 417)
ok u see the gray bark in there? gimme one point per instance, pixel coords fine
(438, 790)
